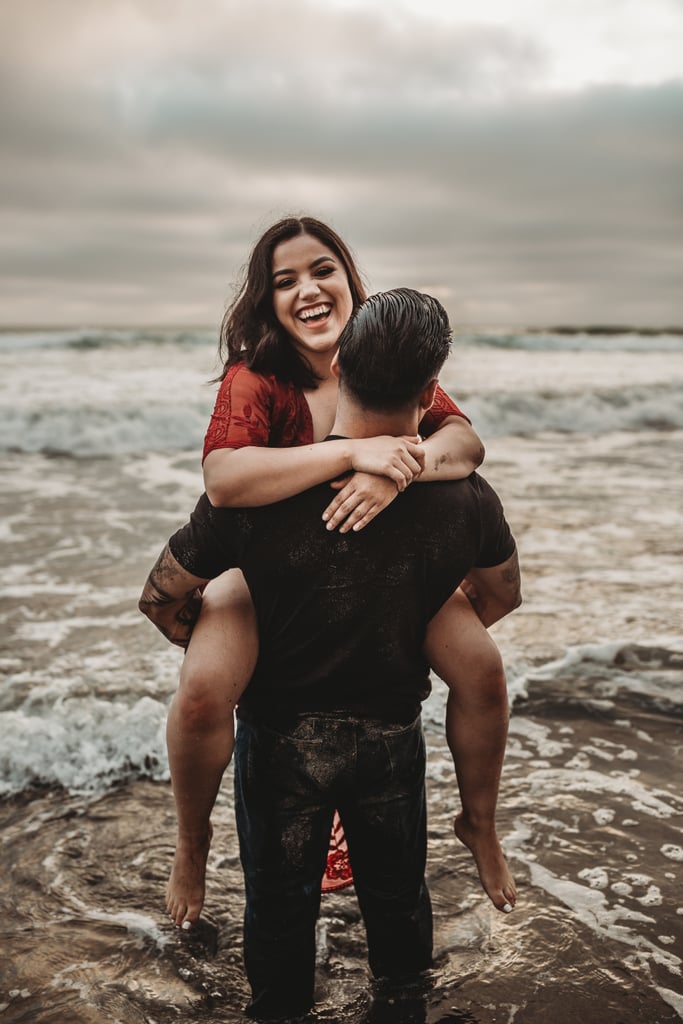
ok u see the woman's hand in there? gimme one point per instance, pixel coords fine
(361, 497)
(400, 459)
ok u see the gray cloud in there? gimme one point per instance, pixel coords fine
(145, 151)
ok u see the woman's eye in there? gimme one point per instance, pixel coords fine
(324, 271)
(284, 282)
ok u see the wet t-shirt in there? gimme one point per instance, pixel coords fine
(342, 617)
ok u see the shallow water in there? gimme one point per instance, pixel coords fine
(591, 805)
(597, 934)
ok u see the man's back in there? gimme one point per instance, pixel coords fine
(342, 617)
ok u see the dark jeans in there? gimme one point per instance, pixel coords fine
(287, 785)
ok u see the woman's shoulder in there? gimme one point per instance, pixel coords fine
(259, 378)
(239, 377)
(282, 401)
(246, 376)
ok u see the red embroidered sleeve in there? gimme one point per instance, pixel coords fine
(442, 408)
(242, 413)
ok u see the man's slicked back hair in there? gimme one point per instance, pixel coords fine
(394, 344)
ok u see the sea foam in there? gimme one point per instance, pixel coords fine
(84, 745)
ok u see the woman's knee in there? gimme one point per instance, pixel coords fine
(227, 599)
(461, 650)
(200, 709)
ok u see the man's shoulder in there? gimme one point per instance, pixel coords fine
(215, 528)
(471, 501)
(296, 509)
(452, 492)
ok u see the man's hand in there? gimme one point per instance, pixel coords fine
(172, 599)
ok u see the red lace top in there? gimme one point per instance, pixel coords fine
(254, 409)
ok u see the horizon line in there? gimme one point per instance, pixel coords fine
(566, 328)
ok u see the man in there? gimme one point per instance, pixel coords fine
(331, 717)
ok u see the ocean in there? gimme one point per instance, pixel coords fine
(100, 435)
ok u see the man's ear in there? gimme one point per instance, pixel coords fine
(427, 396)
(334, 365)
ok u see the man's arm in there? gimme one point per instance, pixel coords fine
(495, 591)
(171, 598)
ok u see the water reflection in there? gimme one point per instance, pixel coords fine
(410, 1005)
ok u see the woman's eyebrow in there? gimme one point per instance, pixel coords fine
(313, 265)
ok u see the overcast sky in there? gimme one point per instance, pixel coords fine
(521, 160)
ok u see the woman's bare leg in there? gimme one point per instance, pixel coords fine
(460, 650)
(219, 662)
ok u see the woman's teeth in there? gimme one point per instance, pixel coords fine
(314, 314)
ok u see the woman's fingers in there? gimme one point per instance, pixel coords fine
(361, 514)
(413, 465)
(341, 509)
(361, 520)
(406, 469)
(401, 459)
(415, 449)
(358, 501)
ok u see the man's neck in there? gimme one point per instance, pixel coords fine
(353, 421)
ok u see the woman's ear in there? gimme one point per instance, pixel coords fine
(334, 365)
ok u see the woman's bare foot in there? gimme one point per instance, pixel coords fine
(187, 882)
(494, 873)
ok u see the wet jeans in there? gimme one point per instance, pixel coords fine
(287, 786)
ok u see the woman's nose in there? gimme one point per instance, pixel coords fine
(309, 288)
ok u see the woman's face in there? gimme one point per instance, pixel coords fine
(311, 295)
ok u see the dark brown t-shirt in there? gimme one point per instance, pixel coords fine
(342, 617)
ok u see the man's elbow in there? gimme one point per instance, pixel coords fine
(499, 605)
(511, 600)
(498, 608)
(147, 607)
(511, 584)
(150, 605)
(159, 617)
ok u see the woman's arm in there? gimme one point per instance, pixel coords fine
(252, 476)
(452, 452)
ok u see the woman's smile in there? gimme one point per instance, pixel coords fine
(316, 314)
(311, 295)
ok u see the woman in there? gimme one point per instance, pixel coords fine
(275, 406)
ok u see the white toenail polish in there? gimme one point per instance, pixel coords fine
(507, 909)
(186, 925)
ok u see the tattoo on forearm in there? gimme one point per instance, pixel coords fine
(511, 576)
(159, 592)
(162, 576)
